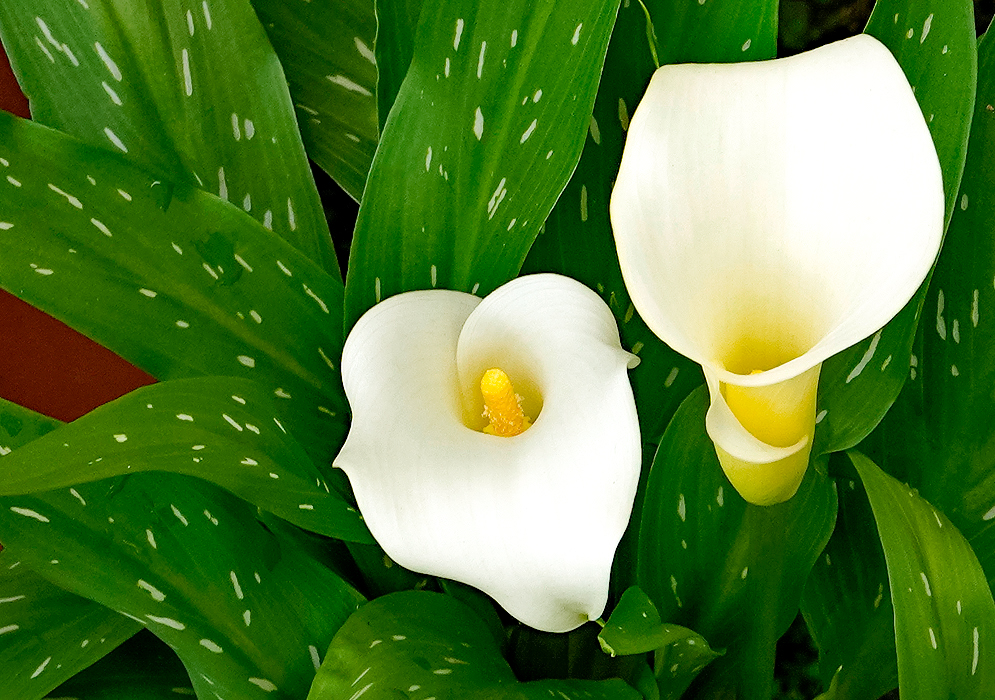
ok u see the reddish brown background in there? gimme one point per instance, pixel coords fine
(44, 364)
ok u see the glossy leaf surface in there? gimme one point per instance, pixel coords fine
(191, 92)
(730, 571)
(171, 278)
(326, 49)
(944, 612)
(247, 611)
(478, 146)
(221, 430)
(433, 645)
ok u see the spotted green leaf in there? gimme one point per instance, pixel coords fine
(710, 562)
(326, 52)
(143, 667)
(944, 612)
(934, 42)
(173, 279)
(397, 23)
(246, 610)
(432, 645)
(847, 601)
(479, 144)
(940, 434)
(635, 628)
(48, 634)
(222, 430)
(190, 91)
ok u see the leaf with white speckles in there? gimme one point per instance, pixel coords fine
(218, 429)
(471, 160)
(397, 23)
(726, 569)
(190, 91)
(939, 435)
(173, 279)
(48, 634)
(847, 602)
(944, 612)
(577, 240)
(435, 645)
(143, 667)
(939, 58)
(635, 628)
(192, 563)
(327, 53)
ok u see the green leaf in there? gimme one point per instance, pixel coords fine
(939, 437)
(247, 611)
(732, 572)
(480, 142)
(847, 602)
(944, 612)
(934, 42)
(635, 628)
(326, 52)
(191, 92)
(397, 23)
(218, 429)
(143, 667)
(48, 634)
(436, 646)
(173, 279)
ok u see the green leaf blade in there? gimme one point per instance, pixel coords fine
(194, 94)
(944, 611)
(479, 144)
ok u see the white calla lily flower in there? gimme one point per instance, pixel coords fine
(530, 515)
(767, 216)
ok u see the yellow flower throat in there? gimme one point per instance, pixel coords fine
(502, 407)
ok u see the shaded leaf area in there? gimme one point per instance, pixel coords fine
(478, 146)
(944, 612)
(429, 644)
(940, 435)
(221, 430)
(47, 634)
(172, 279)
(141, 667)
(326, 49)
(635, 627)
(934, 42)
(246, 610)
(397, 23)
(847, 600)
(191, 92)
(730, 571)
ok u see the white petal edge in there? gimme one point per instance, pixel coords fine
(802, 195)
(532, 520)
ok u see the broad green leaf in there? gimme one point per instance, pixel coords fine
(326, 49)
(143, 667)
(635, 628)
(934, 42)
(940, 436)
(944, 612)
(48, 634)
(478, 146)
(732, 572)
(173, 279)
(218, 429)
(247, 611)
(847, 601)
(397, 22)
(191, 92)
(436, 646)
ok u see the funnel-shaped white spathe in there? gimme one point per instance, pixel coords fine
(767, 216)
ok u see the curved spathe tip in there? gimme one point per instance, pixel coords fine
(532, 520)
